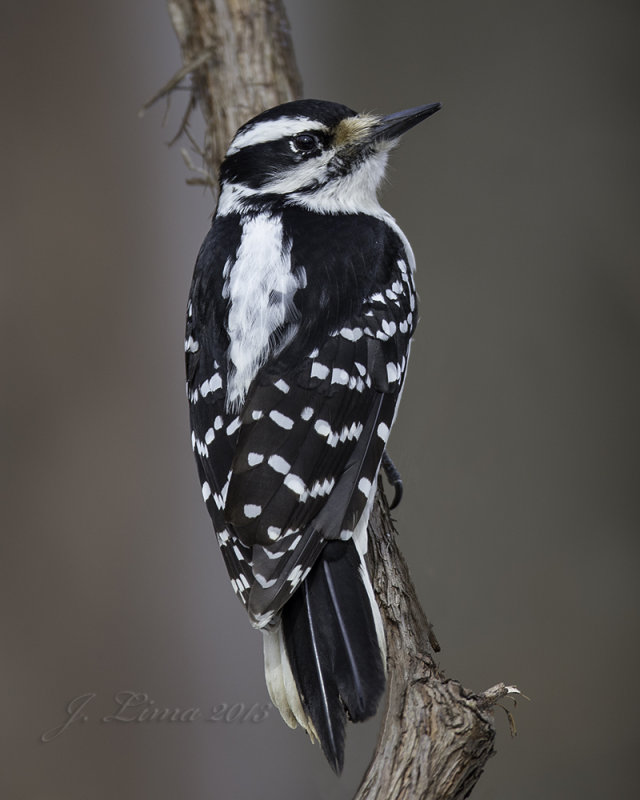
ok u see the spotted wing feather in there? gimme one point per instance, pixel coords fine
(310, 445)
(294, 467)
(214, 430)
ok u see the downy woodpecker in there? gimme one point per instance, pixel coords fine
(299, 323)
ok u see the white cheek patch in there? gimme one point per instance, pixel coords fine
(272, 129)
(353, 193)
(308, 172)
(233, 196)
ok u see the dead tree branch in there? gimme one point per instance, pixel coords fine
(436, 736)
(240, 58)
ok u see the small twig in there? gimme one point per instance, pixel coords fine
(173, 82)
(491, 696)
(203, 178)
(184, 124)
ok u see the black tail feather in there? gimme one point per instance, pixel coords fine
(332, 646)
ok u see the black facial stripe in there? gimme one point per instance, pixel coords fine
(258, 164)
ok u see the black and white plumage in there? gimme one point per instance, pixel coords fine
(299, 323)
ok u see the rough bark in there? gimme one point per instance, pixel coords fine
(436, 736)
(240, 58)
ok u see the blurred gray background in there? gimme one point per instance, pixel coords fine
(518, 438)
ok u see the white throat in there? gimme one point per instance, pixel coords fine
(353, 193)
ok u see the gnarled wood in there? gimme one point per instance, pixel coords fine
(436, 736)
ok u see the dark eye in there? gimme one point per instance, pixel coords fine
(305, 142)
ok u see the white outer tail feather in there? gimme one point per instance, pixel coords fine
(280, 681)
(361, 541)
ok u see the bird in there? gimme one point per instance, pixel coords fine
(299, 324)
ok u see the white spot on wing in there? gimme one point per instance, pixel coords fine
(263, 581)
(262, 620)
(297, 575)
(279, 464)
(351, 334)
(270, 554)
(281, 419)
(388, 327)
(319, 370)
(322, 427)
(201, 448)
(296, 484)
(339, 376)
(392, 372)
(251, 510)
(210, 386)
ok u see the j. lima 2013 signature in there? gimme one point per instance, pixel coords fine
(131, 706)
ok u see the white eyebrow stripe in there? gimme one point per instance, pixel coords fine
(272, 129)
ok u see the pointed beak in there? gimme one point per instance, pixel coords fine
(394, 125)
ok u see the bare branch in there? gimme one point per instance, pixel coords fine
(436, 736)
(173, 82)
(240, 58)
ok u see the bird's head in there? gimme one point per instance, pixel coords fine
(316, 154)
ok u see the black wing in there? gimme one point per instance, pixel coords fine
(296, 466)
(214, 430)
(313, 431)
